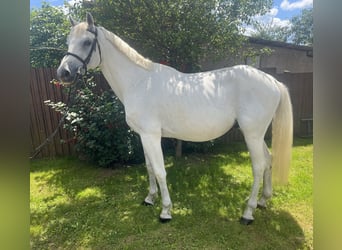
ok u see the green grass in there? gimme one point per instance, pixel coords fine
(75, 205)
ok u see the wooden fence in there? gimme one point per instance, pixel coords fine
(44, 120)
(300, 86)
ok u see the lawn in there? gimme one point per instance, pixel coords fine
(75, 205)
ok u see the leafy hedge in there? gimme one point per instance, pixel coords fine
(97, 121)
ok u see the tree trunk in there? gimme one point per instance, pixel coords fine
(179, 149)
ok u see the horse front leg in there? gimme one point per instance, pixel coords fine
(154, 154)
(153, 190)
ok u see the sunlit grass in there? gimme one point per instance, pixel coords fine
(76, 205)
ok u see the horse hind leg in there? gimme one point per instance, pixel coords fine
(267, 183)
(256, 148)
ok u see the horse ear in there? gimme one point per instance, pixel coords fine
(72, 21)
(90, 20)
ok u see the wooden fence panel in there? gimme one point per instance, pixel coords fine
(44, 120)
(300, 86)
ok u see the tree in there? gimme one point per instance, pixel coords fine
(48, 31)
(271, 31)
(302, 28)
(178, 32)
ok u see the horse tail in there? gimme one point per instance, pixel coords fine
(282, 136)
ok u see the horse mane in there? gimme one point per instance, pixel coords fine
(123, 47)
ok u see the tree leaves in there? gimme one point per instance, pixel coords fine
(180, 32)
(48, 32)
(299, 30)
(302, 28)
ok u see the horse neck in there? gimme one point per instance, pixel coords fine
(120, 72)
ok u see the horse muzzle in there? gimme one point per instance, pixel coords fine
(68, 75)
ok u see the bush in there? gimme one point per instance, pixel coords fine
(97, 120)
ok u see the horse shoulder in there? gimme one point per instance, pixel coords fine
(141, 108)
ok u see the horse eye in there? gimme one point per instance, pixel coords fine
(86, 43)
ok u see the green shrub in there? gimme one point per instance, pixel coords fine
(97, 121)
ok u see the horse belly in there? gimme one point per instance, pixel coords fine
(198, 125)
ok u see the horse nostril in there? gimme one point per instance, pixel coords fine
(64, 75)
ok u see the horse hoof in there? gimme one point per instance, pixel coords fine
(147, 204)
(164, 220)
(244, 221)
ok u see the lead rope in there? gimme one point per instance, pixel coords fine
(79, 79)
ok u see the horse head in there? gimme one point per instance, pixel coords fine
(83, 51)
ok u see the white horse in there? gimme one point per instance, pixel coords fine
(160, 102)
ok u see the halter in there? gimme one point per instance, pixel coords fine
(87, 59)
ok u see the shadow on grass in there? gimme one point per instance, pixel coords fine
(100, 208)
(302, 141)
